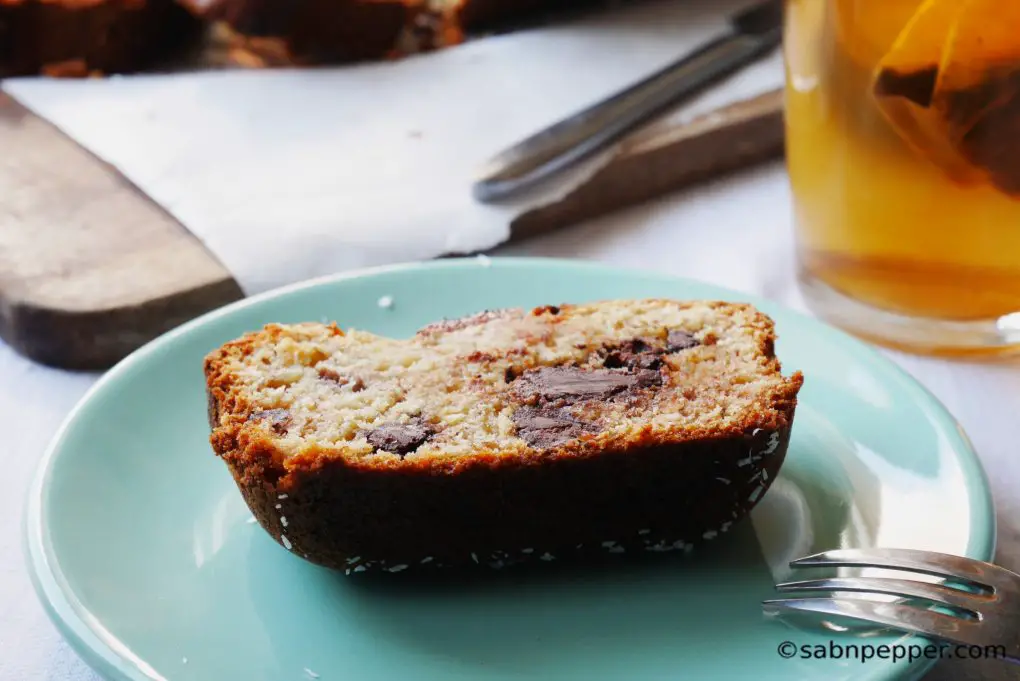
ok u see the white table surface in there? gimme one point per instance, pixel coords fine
(734, 232)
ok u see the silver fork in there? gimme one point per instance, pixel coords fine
(980, 601)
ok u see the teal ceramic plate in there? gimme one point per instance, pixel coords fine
(142, 552)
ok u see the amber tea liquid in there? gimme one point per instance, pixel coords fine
(919, 220)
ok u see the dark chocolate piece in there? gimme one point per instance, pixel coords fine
(399, 438)
(638, 353)
(633, 354)
(680, 340)
(573, 383)
(278, 419)
(546, 428)
(646, 378)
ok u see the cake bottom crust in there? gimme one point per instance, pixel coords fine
(653, 499)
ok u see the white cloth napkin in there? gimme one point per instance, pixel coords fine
(291, 174)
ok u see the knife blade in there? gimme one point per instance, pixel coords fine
(753, 34)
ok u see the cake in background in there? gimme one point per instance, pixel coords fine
(76, 38)
(71, 38)
(302, 32)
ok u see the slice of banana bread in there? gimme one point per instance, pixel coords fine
(632, 425)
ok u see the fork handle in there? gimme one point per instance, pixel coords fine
(582, 134)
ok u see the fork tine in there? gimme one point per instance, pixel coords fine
(926, 562)
(893, 615)
(936, 593)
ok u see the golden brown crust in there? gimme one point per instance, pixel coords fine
(318, 501)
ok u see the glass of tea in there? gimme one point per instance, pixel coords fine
(903, 150)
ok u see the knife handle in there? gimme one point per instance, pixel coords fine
(590, 130)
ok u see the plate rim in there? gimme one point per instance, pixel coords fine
(103, 652)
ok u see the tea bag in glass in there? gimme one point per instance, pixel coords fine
(978, 93)
(907, 79)
(950, 86)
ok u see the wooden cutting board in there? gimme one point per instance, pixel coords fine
(91, 269)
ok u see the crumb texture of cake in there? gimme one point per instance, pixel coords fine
(77, 38)
(611, 426)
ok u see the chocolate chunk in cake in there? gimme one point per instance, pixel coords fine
(569, 384)
(278, 419)
(677, 341)
(399, 438)
(547, 427)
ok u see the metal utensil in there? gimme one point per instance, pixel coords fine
(979, 603)
(754, 33)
